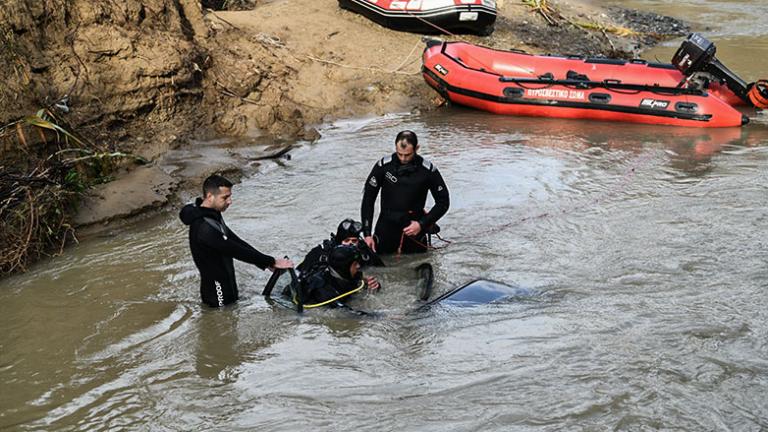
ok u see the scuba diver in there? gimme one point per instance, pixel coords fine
(347, 233)
(404, 179)
(332, 285)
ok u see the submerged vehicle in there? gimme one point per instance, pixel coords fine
(695, 90)
(474, 293)
(428, 16)
(478, 292)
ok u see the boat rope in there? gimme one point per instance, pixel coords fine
(758, 94)
(428, 246)
(374, 68)
(272, 42)
(626, 179)
(628, 176)
(614, 87)
(440, 29)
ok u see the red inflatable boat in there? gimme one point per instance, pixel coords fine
(428, 16)
(516, 83)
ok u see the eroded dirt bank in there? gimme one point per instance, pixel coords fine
(145, 77)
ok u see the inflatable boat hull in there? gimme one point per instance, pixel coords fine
(428, 16)
(516, 83)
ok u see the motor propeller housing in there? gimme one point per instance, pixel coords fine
(696, 55)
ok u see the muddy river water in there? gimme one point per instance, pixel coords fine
(642, 250)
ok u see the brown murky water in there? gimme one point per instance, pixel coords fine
(642, 249)
(736, 27)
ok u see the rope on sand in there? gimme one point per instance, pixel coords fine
(396, 70)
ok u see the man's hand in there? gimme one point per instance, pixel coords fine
(370, 242)
(282, 263)
(413, 229)
(373, 284)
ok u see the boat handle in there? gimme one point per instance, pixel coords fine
(602, 98)
(513, 92)
(687, 107)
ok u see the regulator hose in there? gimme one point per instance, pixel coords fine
(758, 94)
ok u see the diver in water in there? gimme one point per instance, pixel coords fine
(214, 246)
(333, 285)
(404, 179)
(347, 233)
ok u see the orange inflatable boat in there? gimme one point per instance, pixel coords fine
(696, 91)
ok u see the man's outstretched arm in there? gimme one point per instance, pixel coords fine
(234, 246)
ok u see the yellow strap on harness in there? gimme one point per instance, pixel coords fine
(362, 285)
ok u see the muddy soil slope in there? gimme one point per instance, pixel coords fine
(141, 74)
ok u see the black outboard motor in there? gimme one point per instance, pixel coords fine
(697, 54)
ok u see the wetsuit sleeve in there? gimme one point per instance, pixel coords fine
(370, 192)
(233, 246)
(312, 258)
(439, 192)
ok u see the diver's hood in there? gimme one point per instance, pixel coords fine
(340, 260)
(346, 229)
(191, 212)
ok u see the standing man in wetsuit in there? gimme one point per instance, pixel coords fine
(214, 245)
(404, 179)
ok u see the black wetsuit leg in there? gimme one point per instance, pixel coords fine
(388, 236)
(417, 244)
(389, 233)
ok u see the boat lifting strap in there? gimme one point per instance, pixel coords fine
(608, 84)
(758, 94)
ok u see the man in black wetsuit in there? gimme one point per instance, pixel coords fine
(214, 245)
(404, 179)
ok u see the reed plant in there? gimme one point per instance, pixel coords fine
(543, 8)
(44, 168)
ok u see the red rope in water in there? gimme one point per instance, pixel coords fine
(498, 228)
(626, 179)
(427, 246)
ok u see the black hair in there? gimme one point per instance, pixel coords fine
(408, 136)
(213, 183)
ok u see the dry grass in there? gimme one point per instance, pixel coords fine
(542, 7)
(46, 168)
(617, 30)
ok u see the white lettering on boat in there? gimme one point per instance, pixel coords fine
(550, 93)
(654, 103)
